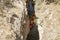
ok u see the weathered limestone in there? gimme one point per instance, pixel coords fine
(48, 19)
(14, 20)
(11, 17)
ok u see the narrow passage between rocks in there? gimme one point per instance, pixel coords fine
(33, 34)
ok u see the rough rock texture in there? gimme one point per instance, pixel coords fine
(12, 24)
(48, 13)
(14, 20)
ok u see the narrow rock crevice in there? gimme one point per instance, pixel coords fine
(33, 33)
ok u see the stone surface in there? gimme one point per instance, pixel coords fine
(48, 19)
(12, 20)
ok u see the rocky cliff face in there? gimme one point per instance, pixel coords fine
(14, 20)
(48, 13)
(13, 16)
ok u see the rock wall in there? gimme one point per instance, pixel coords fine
(14, 19)
(13, 22)
(48, 13)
